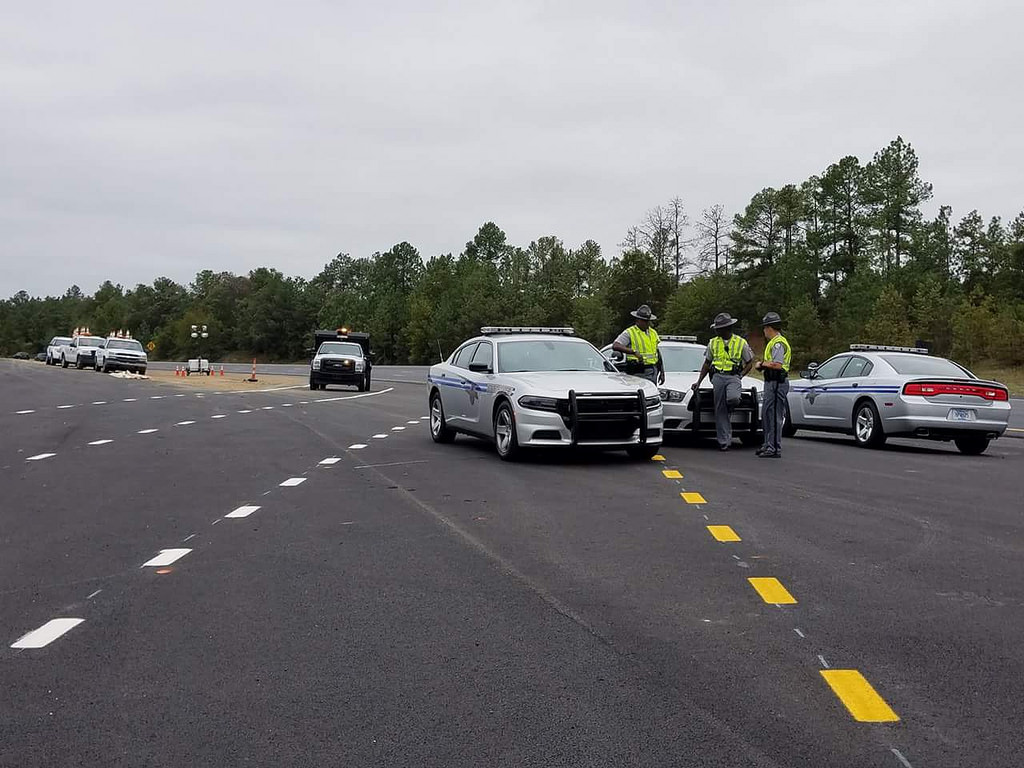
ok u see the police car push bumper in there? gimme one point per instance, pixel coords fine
(601, 420)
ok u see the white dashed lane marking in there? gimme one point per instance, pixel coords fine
(330, 460)
(397, 429)
(245, 511)
(219, 416)
(40, 456)
(129, 400)
(100, 442)
(245, 411)
(147, 431)
(412, 422)
(379, 437)
(100, 402)
(156, 397)
(267, 408)
(293, 481)
(22, 413)
(64, 407)
(357, 446)
(166, 557)
(46, 634)
(184, 423)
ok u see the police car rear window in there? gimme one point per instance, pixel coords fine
(921, 365)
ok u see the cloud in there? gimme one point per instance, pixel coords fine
(160, 139)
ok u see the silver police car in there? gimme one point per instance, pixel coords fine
(532, 387)
(877, 392)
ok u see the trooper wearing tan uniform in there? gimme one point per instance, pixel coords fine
(727, 359)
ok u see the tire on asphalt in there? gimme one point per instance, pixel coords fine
(63, 362)
(867, 425)
(788, 430)
(506, 441)
(972, 445)
(439, 430)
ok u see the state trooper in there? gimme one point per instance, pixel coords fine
(777, 357)
(639, 343)
(727, 360)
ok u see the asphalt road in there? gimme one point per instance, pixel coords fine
(424, 605)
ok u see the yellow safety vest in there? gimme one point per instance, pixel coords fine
(644, 345)
(727, 357)
(780, 339)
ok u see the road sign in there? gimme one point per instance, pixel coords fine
(151, 346)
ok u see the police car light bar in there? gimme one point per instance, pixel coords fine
(880, 348)
(491, 330)
(691, 339)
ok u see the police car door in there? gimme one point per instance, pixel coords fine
(820, 407)
(456, 387)
(848, 388)
(481, 373)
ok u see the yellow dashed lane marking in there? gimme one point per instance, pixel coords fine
(772, 591)
(692, 497)
(858, 696)
(672, 474)
(723, 533)
(657, 457)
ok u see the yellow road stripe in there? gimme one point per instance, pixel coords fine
(858, 696)
(692, 497)
(772, 591)
(657, 457)
(1015, 429)
(723, 533)
(672, 474)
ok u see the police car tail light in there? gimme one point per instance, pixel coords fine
(933, 388)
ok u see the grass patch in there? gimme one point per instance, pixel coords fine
(1011, 376)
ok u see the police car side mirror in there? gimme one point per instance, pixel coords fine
(480, 368)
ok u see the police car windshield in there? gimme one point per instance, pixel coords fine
(534, 355)
(921, 365)
(131, 344)
(340, 348)
(681, 359)
(60, 340)
(89, 341)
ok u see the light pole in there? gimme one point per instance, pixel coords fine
(199, 333)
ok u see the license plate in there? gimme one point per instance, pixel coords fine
(960, 414)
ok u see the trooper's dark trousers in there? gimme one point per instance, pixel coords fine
(773, 411)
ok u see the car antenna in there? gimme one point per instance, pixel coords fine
(440, 354)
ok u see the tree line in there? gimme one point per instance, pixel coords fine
(845, 256)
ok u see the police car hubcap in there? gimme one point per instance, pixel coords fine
(865, 424)
(503, 430)
(435, 417)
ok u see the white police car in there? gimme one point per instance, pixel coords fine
(876, 392)
(533, 387)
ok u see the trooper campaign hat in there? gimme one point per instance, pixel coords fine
(772, 318)
(723, 320)
(643, 312)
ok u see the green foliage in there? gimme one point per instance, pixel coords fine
(889, 322)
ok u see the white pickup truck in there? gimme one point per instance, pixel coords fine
(121, 355)
(81, 351)
(56, 348)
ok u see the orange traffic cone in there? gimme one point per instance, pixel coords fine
(177, 371)
(222, 371)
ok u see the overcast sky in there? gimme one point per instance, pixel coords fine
(140, 139)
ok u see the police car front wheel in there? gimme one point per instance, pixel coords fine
(505, 439)
(439, 431)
